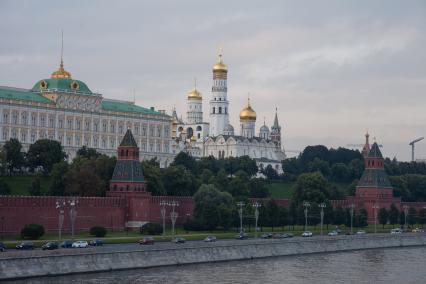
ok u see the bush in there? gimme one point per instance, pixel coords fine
(32, 231)
(152, 229)
(4, 188)
(194, 225)
(98, 231)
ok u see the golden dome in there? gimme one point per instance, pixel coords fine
(193, 139)
(61, 73)
(220, 66)
(195, 95)
(248, 113)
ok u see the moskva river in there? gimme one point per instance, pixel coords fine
(401, 265)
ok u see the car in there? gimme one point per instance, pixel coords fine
(333, 233)
(417, 230)
(241, 236)
(178, 240)
(277, 236)
(287, 235)
(2, 247)
(210, 239)
(267, 236)
(50, 246)
(66, 244)
(396, 231)
(307, 234)
(361, 232)
(25, 246)
(146, 241)
(96, 243)
(80, 244)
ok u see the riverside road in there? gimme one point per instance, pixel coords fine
(167, 245)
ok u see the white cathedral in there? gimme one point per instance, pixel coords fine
(217, 137)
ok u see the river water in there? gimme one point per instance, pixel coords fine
(401, 265)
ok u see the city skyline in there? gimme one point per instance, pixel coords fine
(332, 70)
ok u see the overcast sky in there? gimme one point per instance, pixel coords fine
(332, 68)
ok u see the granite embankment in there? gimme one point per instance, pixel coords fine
(20, 267)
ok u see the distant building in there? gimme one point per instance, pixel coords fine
(65, 109)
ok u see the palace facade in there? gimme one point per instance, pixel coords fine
(66, 110)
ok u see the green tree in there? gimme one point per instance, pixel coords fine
(248, 165)
(83, 180)
(185, 160)
(213, 207)
(238, 186)
(270, 172)
(311, 187)
(178, 181)
(393, 214)
(4, 188)
(58, 179)
(422, 216)
(272, 213)
(412, 216)
(321, 166)
(88, 153)
(35, 188)
(383, 216)
(258, 188)
(340, 172)
(153, 178)
(32, 231)
(13, 155)
(361, 218)
(44, 154)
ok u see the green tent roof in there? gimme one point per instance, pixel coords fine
(127, 171)
(62, 84)
(22, 95)
(128, 140)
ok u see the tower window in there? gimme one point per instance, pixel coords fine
(226, 110)
(220, 109)
(214, 110)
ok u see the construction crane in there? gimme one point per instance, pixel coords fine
(412, 146)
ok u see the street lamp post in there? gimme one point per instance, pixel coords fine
(322, 206)
(163, 205)
(73, 214)
(240, 212)
(256, 206)
(375, 207)
(306, 205)
(60, 205)
(352, 207)
(174, 215)
(405, 217)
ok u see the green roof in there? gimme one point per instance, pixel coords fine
(22, 95)
(127, 171)
(126, 107)
(62, 84)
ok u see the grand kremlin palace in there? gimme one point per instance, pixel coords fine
(64, 109)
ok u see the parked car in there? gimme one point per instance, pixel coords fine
(146, 241)
(25, 245)
(178, 240)
(417, 230)
(96, 243)
(50, 246)
(210, 239)
(241, 236)
(307, 234)
(361, 232)
(268, 236)
(287, 235)
(80, 244)
(396, 231)
(66, 244)
(2, 247)
(333, 233)
(277, 236)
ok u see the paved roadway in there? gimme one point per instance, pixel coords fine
(12, 253)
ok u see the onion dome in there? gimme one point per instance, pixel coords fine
(248, 113)
(264, 128)
(61, 73)
(228, 130)
(195, 95)
(220, 66)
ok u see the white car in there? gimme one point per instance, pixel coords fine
(361, 232)
(396, 231)
(333, 233)
(307, 234)
(80, 244)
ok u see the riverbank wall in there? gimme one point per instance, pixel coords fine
(15, 268)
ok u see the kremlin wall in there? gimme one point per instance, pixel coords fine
(128, 205)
